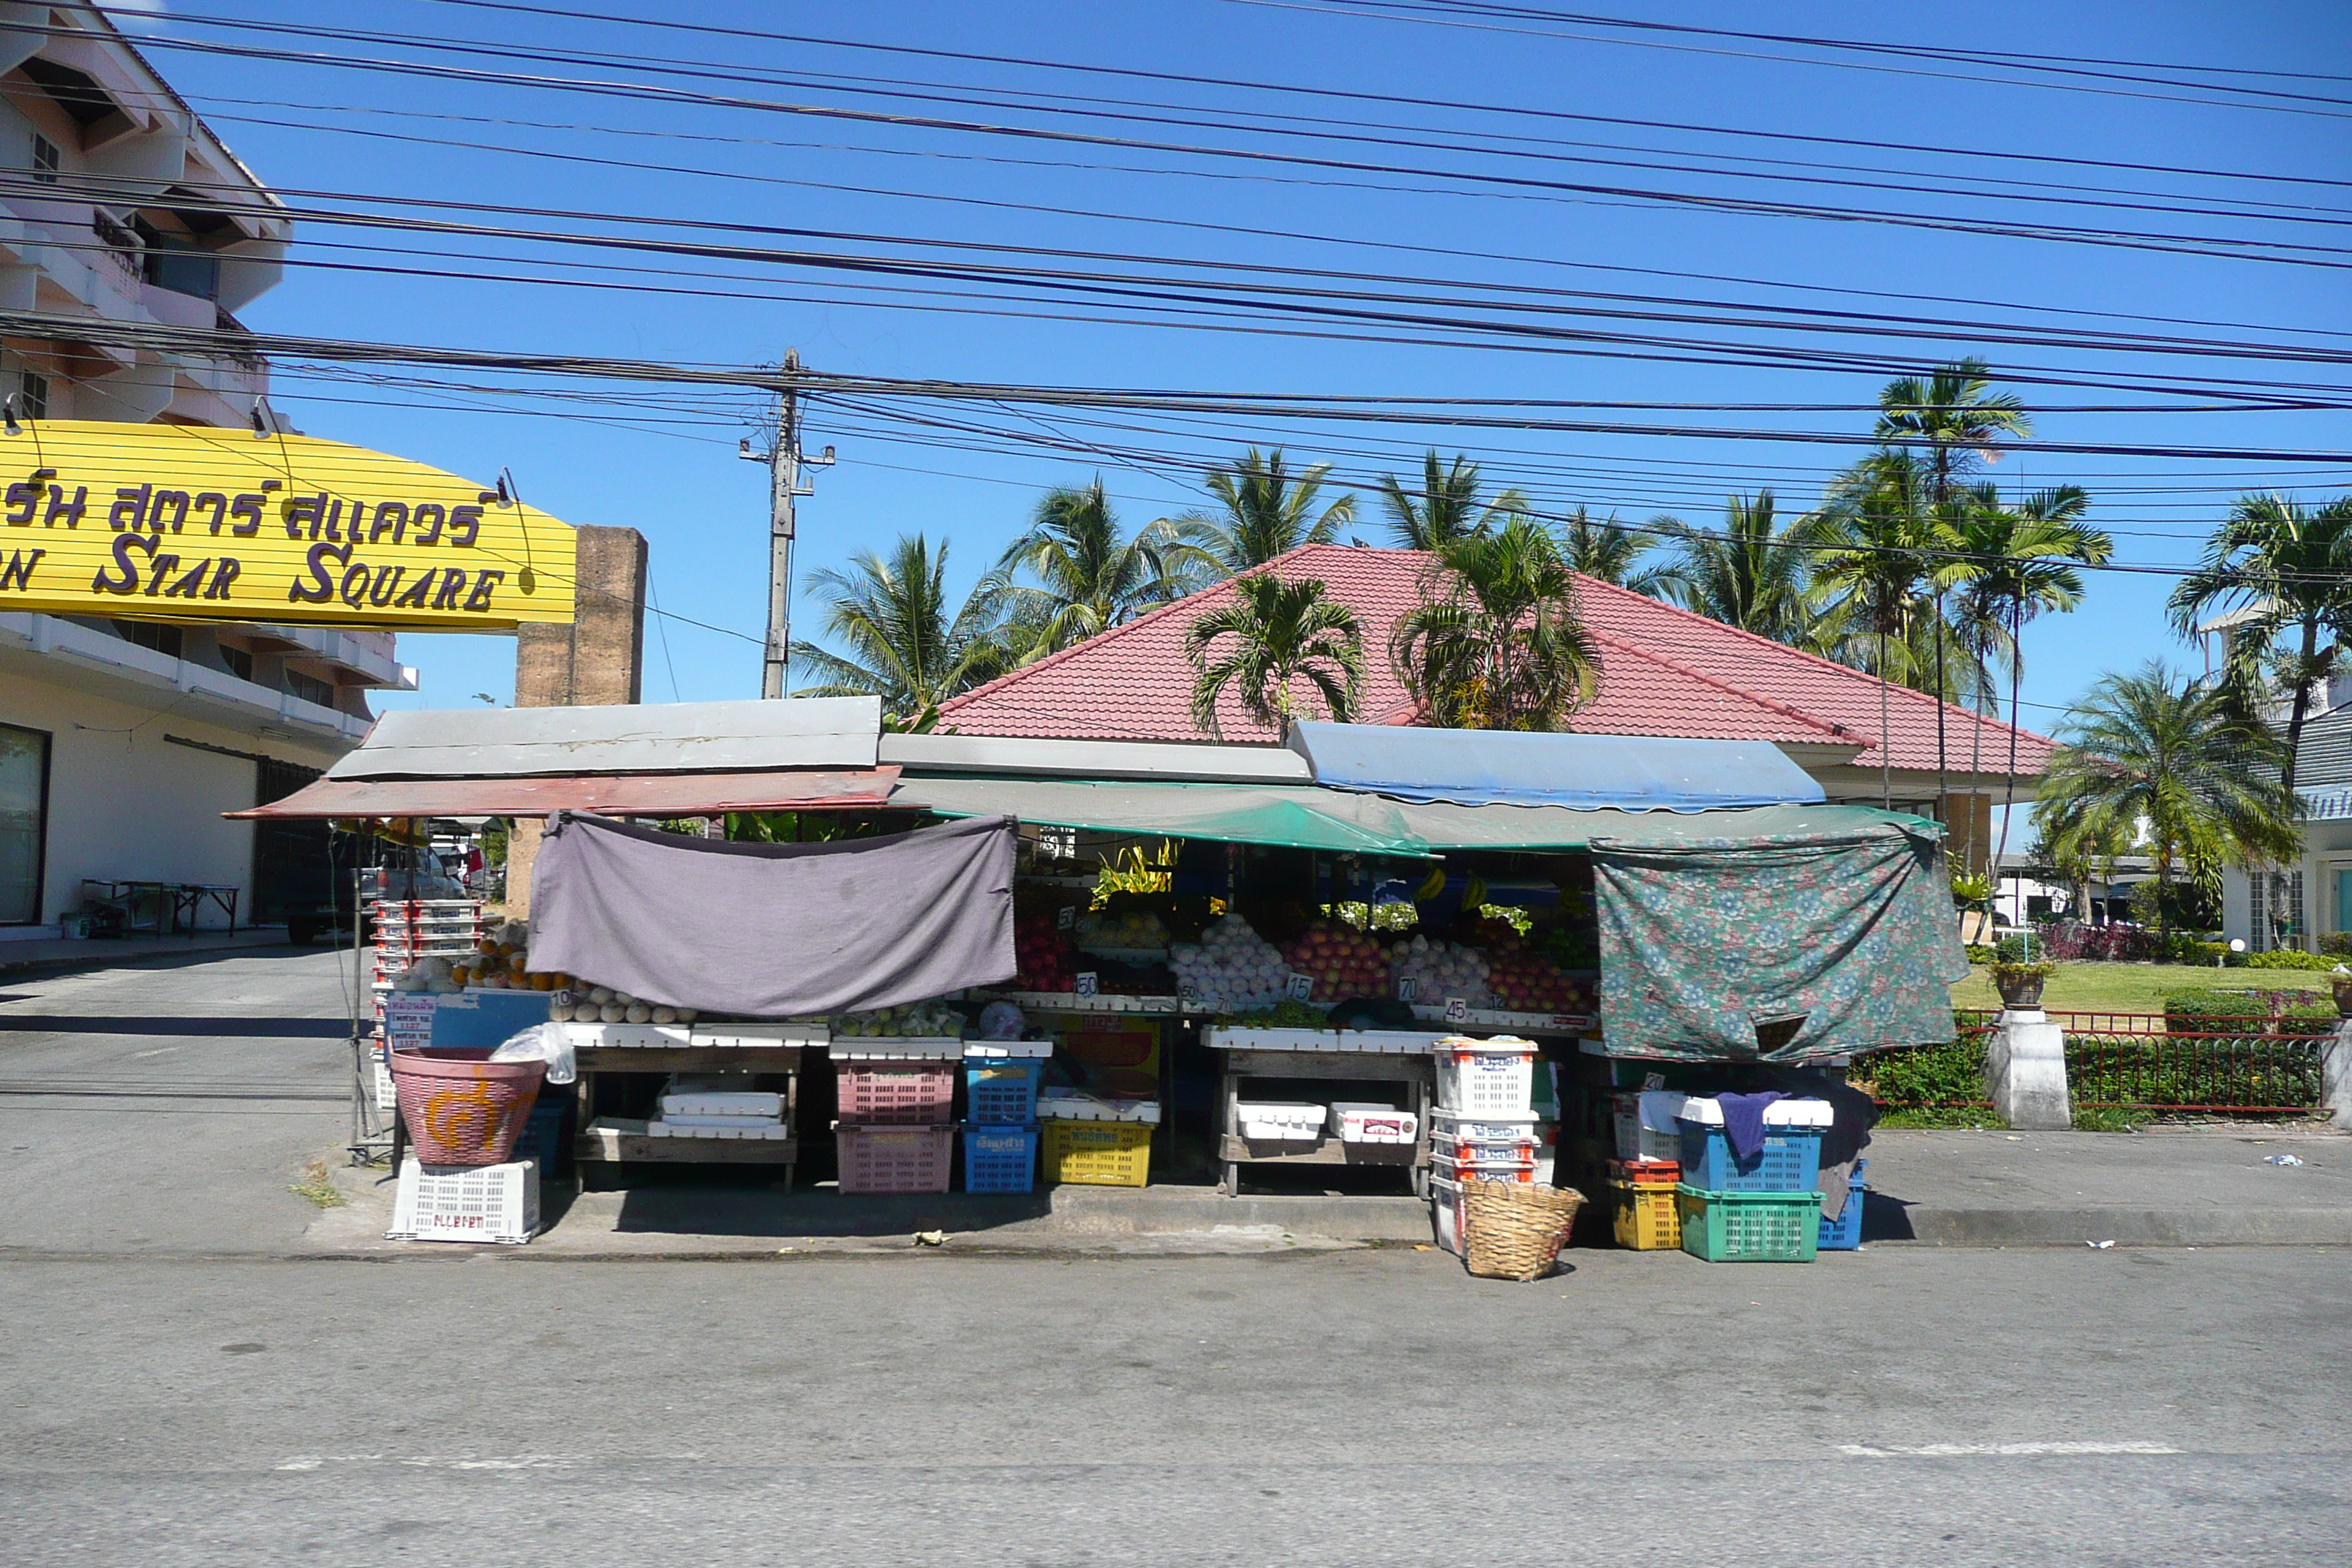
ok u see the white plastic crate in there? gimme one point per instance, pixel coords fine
(1367, 1121)
(387, 1095)
(1485, 1078)
(1445, 1214)
(1483, 1170)
(1281, 1120)
(466, 1202)
(1454, 1126)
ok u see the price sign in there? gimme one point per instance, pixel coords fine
(1068, 918)
(1187, 999)
(1407, 987)
(1654, 1080)
(1457, 1009)
(1302, 987)
(1088, 984)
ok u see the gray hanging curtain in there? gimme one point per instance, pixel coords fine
(775, 931)
(1785, 949)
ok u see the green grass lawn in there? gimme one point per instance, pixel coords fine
(2134, 987)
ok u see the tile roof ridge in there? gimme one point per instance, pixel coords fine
(1896, 688)
(1813, 721)
(1155, 612)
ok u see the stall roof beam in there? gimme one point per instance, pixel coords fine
(823, 732)
(631, 794)
(1140, 759)
(1495, 767)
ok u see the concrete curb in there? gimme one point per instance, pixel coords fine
(2125, 1227)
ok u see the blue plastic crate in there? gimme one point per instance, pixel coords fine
(1844, 1233)
(541, 1138)
(1002, 1090)
(1000, 1159)
(1790, 1161)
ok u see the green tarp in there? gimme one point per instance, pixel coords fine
(1831, 943)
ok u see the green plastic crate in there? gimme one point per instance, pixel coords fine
(1749, 1227)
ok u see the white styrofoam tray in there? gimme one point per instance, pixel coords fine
(695, 1100)
(1370, 1042)
(1006, 1050)
(1087, 1108)
(711, 1127)
(1281, 1120)
(1370, 1122)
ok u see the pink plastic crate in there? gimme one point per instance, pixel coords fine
(896, 1093)
(894, 1159)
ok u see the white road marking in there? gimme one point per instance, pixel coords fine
(431, 1462)
(2003, 1450)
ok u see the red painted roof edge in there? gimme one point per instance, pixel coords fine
(1828, 664)
(1809, 720)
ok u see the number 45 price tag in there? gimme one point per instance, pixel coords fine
(1457, 1009)
(1302, 987)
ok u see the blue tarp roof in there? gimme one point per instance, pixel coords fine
(1500, 767)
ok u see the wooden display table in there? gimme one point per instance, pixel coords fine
(1353, 1056)
(764, 1048)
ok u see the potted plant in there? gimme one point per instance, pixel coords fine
(2016, 975)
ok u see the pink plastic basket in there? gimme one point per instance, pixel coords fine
(894, 1159)
(460, 1107)
(902, 1094)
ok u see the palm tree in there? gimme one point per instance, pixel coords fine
(2014, 564)
(1495, 643)
(1875, 544)
(2288, 571)
(1607, 551)
(1088, 576)
(1956, 416)
(1447, 506)
(1751, 576)
(2147, 755)
(1268, 636)
(1264, 511)
(902, 645)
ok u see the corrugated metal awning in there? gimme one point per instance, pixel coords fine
(628, 795)
(1505, 767)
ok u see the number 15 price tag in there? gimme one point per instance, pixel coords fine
(1302, 987)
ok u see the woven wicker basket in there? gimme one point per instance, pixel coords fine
(1514, 1231)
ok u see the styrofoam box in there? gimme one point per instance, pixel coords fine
(1463, 1126)
(466, 1202)
(697, 1101)
(1369, 1122)
(1087, 1108)
(1006, 1050)
(1283, 1121)
(712, 1127)
(1779, 1113)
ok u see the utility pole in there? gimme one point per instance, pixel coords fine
(784, 483)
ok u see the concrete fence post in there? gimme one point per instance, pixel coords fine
(2025, 1071)
(2335, 1076)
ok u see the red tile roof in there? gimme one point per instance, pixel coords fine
(1664, 671)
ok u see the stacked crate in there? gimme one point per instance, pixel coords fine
(1484, 1126)
(1000, 1119)
(895, 1109)
(407, 930)
(1766, 1208)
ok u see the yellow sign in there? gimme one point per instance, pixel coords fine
(183, 520)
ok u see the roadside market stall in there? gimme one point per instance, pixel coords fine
(1222, 962)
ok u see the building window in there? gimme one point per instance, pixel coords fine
(310, 688)
(45, 160)
(163, 639)
(32, 394)
(177, 264)
(24, 822)
(237, 661)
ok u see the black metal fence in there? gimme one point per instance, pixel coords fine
(2117, 1061)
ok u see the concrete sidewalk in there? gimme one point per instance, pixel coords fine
(2185, 1187)
(59, 955)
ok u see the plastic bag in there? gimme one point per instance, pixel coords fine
(1001, 1021)
(548, 1043)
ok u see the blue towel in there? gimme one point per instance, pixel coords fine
(1743, 1121)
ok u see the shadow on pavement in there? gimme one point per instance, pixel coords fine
(1886, 1219)
(228, 1028)
(735, 1211)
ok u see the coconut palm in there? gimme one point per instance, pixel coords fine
(1447, 506)
(1262, 511)
(1495, 642)
(1956, 416)
(901, 641)
(1607, 551)
(2150, 757)
(2012, 564)
(1875, 544)
(1268, 637)
(2287, 571)
(1088, 576)
(1750, 574)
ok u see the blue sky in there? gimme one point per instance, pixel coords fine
(347, 133)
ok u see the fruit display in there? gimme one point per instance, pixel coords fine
(1042, 953)
(1440, 970)
(1230, 968)
(500, 962)
(1343, 960)
(602, 1005)
(914, 1020)
(1525, 981)
(1136, 928)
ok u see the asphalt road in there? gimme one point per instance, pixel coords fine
(165, 1105)
(1899, 1405)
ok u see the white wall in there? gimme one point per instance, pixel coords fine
(125, 803)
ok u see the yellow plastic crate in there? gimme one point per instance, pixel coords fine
(1098, 1153)
(1647, 1218)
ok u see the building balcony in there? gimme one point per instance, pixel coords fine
(110, 665)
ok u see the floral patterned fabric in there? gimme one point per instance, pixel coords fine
(1704, 942)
